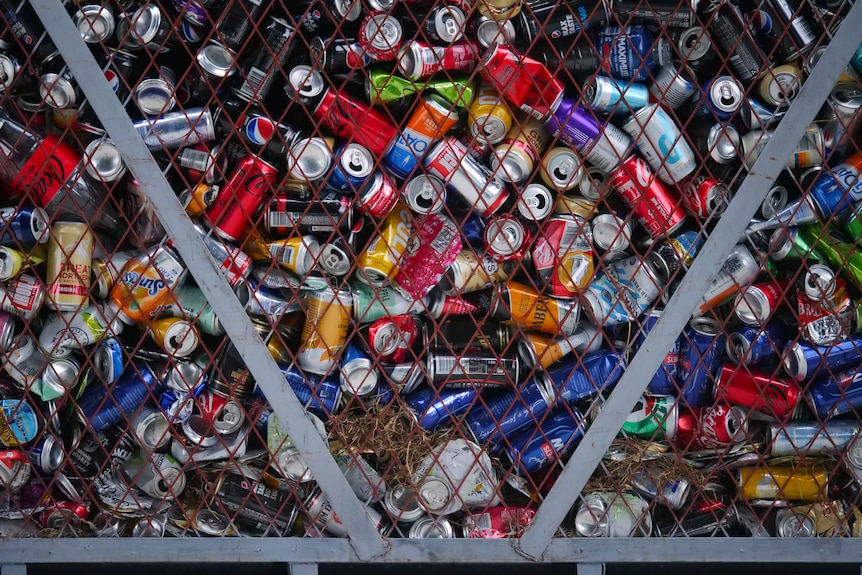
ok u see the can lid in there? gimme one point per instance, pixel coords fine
(505, 236)
(705, 326)
(347, 9)
(209, 522)
(434, 495)
(752, 306)
(432, 528)
(104, 161)
(594, 184)
(425, 194)
(490, 31)
(846, 97)
(382, 31)
(403, 504)
(562, 169)
(57, 91)
(723, 142)
(794, 362)
(358, 377)
(152, 431)
(775, 201)
(216, 60)
(185, 376)
(154, 96)
(181, 338)
(449, 23)
(386, 337)
(95, 23)
(198, 431)
(591, 519)
(535, 202)
(793, 523)
(8, 70)
(309, 159)
(819, 282)
(410, 58)
(613, 234)
(147, 21)
(738, 348)
(305, 82)
(510, 164)
(356, 160)
(230, 418)
(854, 452)
(694, 43)
(726, 93)
(334, 260)
(291, 464)
(61, 374)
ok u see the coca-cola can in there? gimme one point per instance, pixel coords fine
(704, 196)
(653, 205)
(242, 196)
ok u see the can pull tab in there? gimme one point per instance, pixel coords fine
(727, 98)
(451, 26)
(566, 167)
(355, 161)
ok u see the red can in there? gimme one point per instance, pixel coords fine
(760, 391)
(524, 82)
(703, 196)
(61, 514)
(498, 522)
(653, 205)
(757, 303)
(241, 197)
(355, 121)
(717, 426)
(378, 196)
(391, 338)
(14, 469)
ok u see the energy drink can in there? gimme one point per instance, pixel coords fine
(732, 35)
(611, 96)
(660, 141)
(327, 321)
(70, 258)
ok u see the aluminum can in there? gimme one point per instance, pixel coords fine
(527, 308)
(250, 502)
(489, 116)
(563, 255)
(298, 254)
(157, 474)
(508, 411)
(603, 146)
(352, 167)
(337, 55)
(670, 493)
(432, 118)
(458, 334)
(70, 257)
(660, 141)
(718, 141)
(150, 428)
(838, 189)
(417, 60)
(533, 449)
(378, 197)
(23, 227)
(753, 345)
(472, 369)
(230, 376)
(790, 522)
(146, 284)
(757, 303)
(739, 269)
(796, 18)
(696, 51)
(464, 175)
(717, 426)
(629, 53)
(796, 483)
(261, 70)
(803, 360)
(90, 466)
(46, 455)
(774, 396)
(472, 272)
(675, 253)
(23, 296)
(391, 339)
(319, 394)
(433, 408)
(320, 513)
(611, 96)
(379, 262)
(433, 248)
(380, 36)
(523, 81)
(432, 528)
(654, 207)
(673, 85)
(664, 380)
(612, 514)
(809, 152)
(20, 422)
(224, 414)
(561, 169)
(732, 35)
(241, 198)
(325, 332)
(781, 85)
(176, 336)
(101, 407)
(665, 12)
(840, 117)
(807, 439)
(720, 99)
(837, 393)
(570, 381)
(358, 375)
(425, 194)
(654, 417)
(515, 157)
(177, 129)
(538, 350)
(700, 355)
(623, 291)
(506, 238)
(307, 213)
(309, 160)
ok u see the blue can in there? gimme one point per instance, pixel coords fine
(504, 413)
(628, 51)
(436, 408)
(358, 376)
(319, 394)
(430, 120)
(755, 345)
(535, 448)
(700, 353)
(837, 394)
(571, 380)
(102, 406)
(612, 96)
(46, 455)
(856, 60)
(24, 226)
(664, 380)
(803, 360)
(108, 360)
(353, 166)
(473, 230)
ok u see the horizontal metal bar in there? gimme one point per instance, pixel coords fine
(676, 314)
(239, 328)
(303, 569)
(473, 551)
(13, 569)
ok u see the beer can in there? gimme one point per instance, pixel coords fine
(700, 354)
(623, 291)
(177, 129)
(358, 375)
(780, 86)
(489, 116)
(299, 254)
(513, 159)
(611, 96)
(534, 204)
(156, 474)
(70, 257)
(150, 428)
(660, 141)
(46, 455)
(320, 513)
(325, 331)
(526, 307)
(472, 369)
(535, 448)
(472, 272)
(796, 483)
(718, 141)
(671, 493)
(561, 169)
(720, 99)
(379, 262)
(229, 376)
(755, 344)
(739, 269)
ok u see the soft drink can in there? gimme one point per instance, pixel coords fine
(352, 167)
(757, 304)
(241, 197)
(450, 161)
(533, 449)
(704, 196)
(425, 194)
(379, 262)
(523, 81)
(146, 284)
(24, 226)
(758, 390)
(660, 141)
(432, 118)
(837, 393)
(700, 354)
(653, 205)
(380, 36)
(327, 321)
(755, 344)
(654, 417)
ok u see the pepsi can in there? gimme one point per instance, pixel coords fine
(803, 360)
(700, 354)
(352, 168)
(533, 449)
(500, 415)
(24, 226)
(753, 344)
(837, 393)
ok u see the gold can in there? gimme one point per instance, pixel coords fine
(470, 272)
(489, 116)
(785, 482)
(327, 321)
(299, 254)
(575, 205)
(70, 260)
(781, 84)
(499, 9)
(379, 263)
(196, 200)
(514, 158)
(532, 310)
(176, 336)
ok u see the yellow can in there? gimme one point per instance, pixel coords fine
(470, 272)
(379, 263)
(299, 254)
(70, 260)
(499, 9)
(802, 483)
(196, 200)
(324, 333)
(177, 336)
(489, 116)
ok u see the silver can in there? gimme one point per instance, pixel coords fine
(611, 514)
(792, 522)
(661, 143)
(158, 475)
(450, 161)
(309, 160)
(425, 194)
(432, 528)
(611, 234)
(840, 116)
(104, 161)
(802, 438)
(819, 282)
(403, 504)
(95, 23)
(151, 428)
(319, 511)
(535, 203)
(154, 95)
(177, 129)
(435, 495)
(674, 84)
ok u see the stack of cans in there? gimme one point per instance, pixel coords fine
(463, 215)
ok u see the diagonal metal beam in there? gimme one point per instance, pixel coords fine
(680, 307)
(366, 541)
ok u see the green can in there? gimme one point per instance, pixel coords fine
(789, 244)
(653, 417)
(837, 250)
(382, 87)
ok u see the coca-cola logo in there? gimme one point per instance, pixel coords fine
(52, 175)
(710, 424)
(340, 113)
(256, 184)
(776, 399)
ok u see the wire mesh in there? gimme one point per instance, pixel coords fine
(452, 225)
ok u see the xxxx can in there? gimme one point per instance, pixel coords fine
(178, 337)
(327, 321)
(434, 246)
(489, 116)
(563, 255)
(432, 118)
(379, 262)
(70, 258)
(796, 483)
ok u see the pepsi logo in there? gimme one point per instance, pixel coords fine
(259, 130)
(315, 14)
(113, 79)
(556, 34)
(190, 33)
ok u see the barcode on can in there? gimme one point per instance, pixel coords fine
(285, 254)
(443, 240)
(253, 81)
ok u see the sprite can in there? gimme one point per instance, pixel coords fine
(653, 417)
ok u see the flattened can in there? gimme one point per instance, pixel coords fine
(612, 514)
(327, 321)
(535, 448)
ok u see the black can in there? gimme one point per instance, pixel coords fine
(237, 22)
(667, 13)
(308, 213)
(29, 34)
(698, 52)
(473, 369)
(261, 71)
(250, 502)
(230, 376)
(732, 35)
(459, 334)
(322, 17)
(94, 461)
(443, 25)
(337, 55)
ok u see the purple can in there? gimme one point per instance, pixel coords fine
(535, 448)
(700, 353)
(604, 146)
(664, 380)
(436, 408)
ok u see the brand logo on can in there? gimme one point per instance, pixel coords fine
(136, 281)
(259, 130)
(113, 80)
